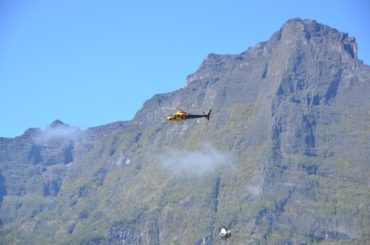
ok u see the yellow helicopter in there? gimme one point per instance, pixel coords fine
(181, 116)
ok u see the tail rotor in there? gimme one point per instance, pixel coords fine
(209, 114)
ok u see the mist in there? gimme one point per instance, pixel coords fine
(203, 160)
(60, 133)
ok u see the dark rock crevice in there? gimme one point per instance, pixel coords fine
(333, 87)
(3, 191)
(264, 74)
(215, 194)
(34, 155)
(215, 197)
(267, 219)
(52, 187)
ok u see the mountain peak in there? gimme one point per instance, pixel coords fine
(31, 132)
(57, 123)
(295, 36)
(309, 31)
(299, 25)
(297, 28)
(299, 21)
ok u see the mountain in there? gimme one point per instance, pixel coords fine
(284, 158)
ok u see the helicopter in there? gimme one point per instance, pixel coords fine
(181, 116)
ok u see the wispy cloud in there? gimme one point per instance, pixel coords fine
(255, 190)
(255, 186)
(203, 160)
(60, 132)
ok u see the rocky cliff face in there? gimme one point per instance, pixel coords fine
(283, 160)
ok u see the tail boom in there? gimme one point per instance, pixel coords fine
(190, 116)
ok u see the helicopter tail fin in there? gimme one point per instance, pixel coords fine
(209, 114)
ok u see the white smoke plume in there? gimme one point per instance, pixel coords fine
(203, 160)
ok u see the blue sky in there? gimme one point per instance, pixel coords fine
(91, 62)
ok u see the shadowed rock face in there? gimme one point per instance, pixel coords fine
(290, 123)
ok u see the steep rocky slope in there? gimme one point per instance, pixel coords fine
(283, 160)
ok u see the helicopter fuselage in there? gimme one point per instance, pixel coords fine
(181, 116)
